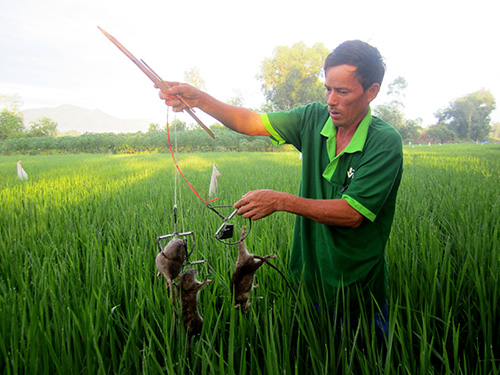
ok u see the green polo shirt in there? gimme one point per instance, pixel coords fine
(367, 174)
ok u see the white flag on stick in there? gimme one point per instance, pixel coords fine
(214, 182)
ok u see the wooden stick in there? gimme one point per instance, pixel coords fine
(189, 109)
(162, 85)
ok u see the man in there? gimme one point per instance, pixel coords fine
(351, 171)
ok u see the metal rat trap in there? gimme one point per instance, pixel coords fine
(226, 230)
(176, 234)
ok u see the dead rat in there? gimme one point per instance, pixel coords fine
(189, 288)
(169, 262)
(244, 271)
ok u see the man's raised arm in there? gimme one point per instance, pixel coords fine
(239, 119)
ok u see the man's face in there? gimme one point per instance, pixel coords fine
(347, 101)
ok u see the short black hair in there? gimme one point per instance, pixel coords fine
(370, 66)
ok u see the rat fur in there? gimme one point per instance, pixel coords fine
(244, 271)
(169, 262)
(189, 288)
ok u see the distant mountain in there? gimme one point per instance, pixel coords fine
(70, 117)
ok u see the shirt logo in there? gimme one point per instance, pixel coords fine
(350, 172)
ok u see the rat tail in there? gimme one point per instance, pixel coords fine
(265, 260)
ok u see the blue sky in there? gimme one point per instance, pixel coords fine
(52, 52)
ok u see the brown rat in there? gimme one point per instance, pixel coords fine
(169, 262)
(189, 288)
(244, 271)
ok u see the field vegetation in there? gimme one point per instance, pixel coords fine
(78, 292)
(154, 141)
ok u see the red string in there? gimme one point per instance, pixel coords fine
(179, 169)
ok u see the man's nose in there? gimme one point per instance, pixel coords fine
(332, 98)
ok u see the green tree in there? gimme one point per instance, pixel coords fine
(43, 127)
(292, 76)
(178, 125)
(392, 112)
(193, 77)
(412, 129)
(397, 90)
(11, 124)
(392, 115)
(469, 116)
(237, 99)
(153, 127)
(495, 130)
(439, 134)
(11, 102)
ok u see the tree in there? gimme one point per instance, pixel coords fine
(11, 124)
(469, 116)
(292, 76)
(412, 129)
(193, 77)
(11, 102)
(237, 99)
(392, 112)
(153, 127)
(43, 127)
(495, 130)
(397, 89)
(178, 125)
(439, 134)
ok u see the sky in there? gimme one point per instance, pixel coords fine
(52, 53)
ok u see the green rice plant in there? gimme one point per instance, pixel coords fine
(79, 293)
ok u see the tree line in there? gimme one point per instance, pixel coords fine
(466, 119)
(154, 140)
(293, 76)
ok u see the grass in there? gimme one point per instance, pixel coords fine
(78, 292)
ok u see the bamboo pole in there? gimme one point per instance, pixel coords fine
(160, 83)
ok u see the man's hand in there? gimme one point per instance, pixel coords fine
(258, 204)
(188, 93)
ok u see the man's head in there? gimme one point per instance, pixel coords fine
(353, 74)
(370, 67)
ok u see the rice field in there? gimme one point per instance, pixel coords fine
(79, 293)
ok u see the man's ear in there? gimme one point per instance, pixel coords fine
(373, 91)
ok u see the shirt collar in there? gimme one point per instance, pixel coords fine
(357, 142)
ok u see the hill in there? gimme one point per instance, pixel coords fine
(70, 117)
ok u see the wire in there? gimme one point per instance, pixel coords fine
(180, 171)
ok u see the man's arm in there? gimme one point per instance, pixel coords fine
(238, 119)
(258, 204)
